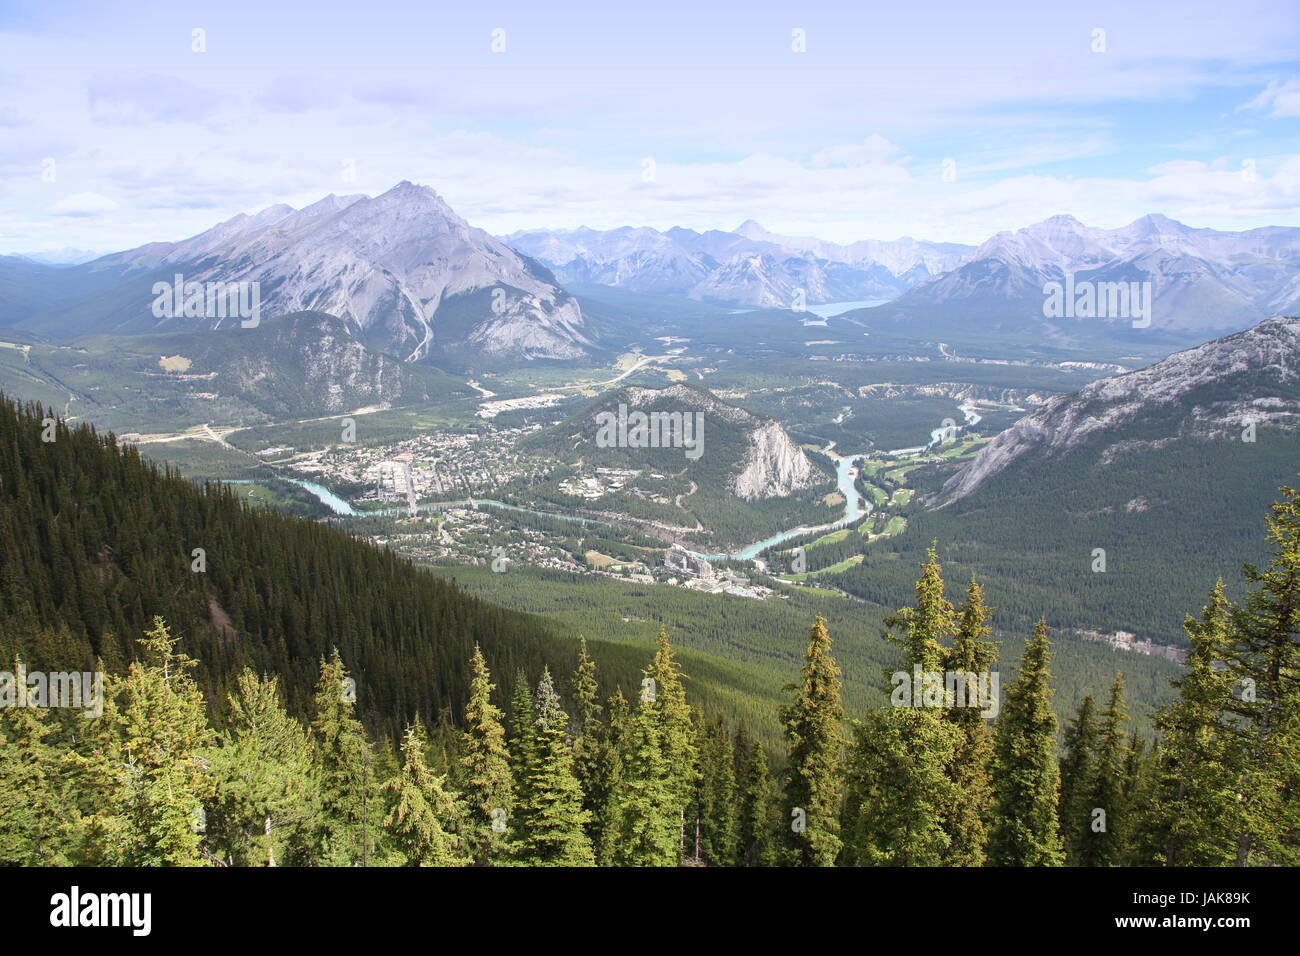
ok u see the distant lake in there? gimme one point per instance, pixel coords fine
(828, 309)
(825, 310)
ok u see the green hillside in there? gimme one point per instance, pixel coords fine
(1171, 521)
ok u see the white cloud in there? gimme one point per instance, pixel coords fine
(1280, 99)
(83, 204)
(874, 149)
(134, 100)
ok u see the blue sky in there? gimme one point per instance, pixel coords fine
(114, 131)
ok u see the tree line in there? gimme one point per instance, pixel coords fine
(650, 781)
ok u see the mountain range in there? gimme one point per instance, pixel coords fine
(414, 280)
(749, 266)
(1201, 280)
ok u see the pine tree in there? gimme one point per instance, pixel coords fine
(588, 740)
(1103, 840)
(345, 757)
(97, 828)
(926, 626)
(266, 803)
(900, 789)
(614, 742)
(422, 815)
(902, 805)
(1078, 773)
(444, 748)
(1026, 779)
(758, 813)
(642, 824)
(716, 805)
(142, 770)
(1263, 657)
(550, 821)
(666, 700)
(522, 745)
(1137, 795)
(1193, 817)
(30, 789)
(485, 767)
(813, 727)
(970, 770)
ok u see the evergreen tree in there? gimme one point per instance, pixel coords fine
(30, 789)
(901, 792)
(551, 823)
(615, 741)
(422, 816)
(1102, 841)
(1078, 773)
(1137, 795)
(903, 806)
(813, 727)
(970, 769)
(666, 700)
(588, 744)
(758, 809)
(716, 816)
(1193, 817)
(266, 803)
(523, 744)
(485, 767)
(642, 824)
(1263, 657)
(443, 745)
(345, 758)
(142, 766)
(930, 623)
(1026, 780)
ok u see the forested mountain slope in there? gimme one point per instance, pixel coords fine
(1164, 469)
(95, 541)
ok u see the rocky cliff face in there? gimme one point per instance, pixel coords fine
(304, 364)
(774, 465)
(1213, 390)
